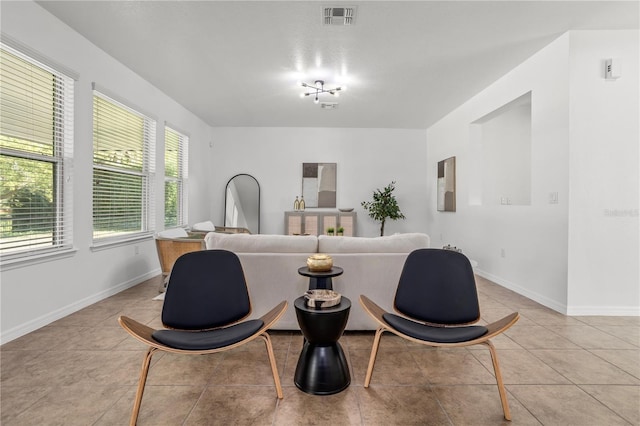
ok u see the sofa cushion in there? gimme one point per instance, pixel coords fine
(398, 243)
(262, 243)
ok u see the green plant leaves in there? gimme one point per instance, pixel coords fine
(384, 206)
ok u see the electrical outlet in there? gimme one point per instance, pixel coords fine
(503, 253)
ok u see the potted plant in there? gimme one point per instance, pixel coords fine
(340, 231)
(384, 206)
(330, 231)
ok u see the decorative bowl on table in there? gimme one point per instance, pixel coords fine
(320, 298)
(350, 209)
(319, 263)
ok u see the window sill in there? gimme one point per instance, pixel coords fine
(22, 262)
(119, 242)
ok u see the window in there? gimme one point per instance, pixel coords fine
(123, 149)
(36, 149)
(176, 147)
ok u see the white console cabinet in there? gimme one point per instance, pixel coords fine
(317, 222)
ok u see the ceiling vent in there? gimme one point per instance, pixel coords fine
(338, 15)
(328, 105)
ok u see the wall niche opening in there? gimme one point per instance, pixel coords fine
(501, 155)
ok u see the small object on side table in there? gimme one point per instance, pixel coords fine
(319, 263)
(322, 298)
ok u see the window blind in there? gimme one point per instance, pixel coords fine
(123, 170)
(175, 181)
(36, 154)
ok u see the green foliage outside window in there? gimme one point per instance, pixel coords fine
(117, 202)
(26, 197)
(119, 170)
(30, 141)
(173, 178)
(170, 204)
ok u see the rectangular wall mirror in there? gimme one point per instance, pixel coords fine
(447, 185)
(319, 184)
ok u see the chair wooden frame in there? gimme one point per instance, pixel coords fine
(170, 249)
(144, 333)
(495, 328)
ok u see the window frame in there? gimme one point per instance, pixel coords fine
(181, 179)
(60, 159)
(147, 174)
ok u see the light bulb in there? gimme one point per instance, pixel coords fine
(316, 100)
(302, 95)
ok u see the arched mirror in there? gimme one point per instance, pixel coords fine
(242, 203)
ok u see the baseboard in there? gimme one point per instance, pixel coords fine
(617, 311)
(610, 311)
(536, 297)
(46, 319)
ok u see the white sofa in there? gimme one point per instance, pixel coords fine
(372, 266)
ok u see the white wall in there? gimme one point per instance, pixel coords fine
(506, 136)
(587, 245)
(603, 215)
(579, 256)
(366, 158)
(35, 295)
(533, 237)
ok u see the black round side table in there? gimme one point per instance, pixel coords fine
(322, 367)
(320, 280)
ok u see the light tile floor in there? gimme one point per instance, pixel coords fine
(558, 370)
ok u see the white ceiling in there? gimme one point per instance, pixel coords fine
(406, 64)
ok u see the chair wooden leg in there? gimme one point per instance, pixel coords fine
(274, 367)
(501, 389)
(372, 358)
(146, 362)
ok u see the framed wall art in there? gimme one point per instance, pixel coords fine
(319, 184)
(447, 185)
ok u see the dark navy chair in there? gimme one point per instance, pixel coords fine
(204, 307)
(438, 302)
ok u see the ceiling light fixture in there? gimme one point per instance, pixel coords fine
(317, 88)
